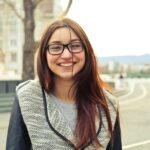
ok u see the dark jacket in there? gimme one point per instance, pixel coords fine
(18, 132)
(18, 138)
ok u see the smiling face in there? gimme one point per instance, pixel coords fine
(67, 64)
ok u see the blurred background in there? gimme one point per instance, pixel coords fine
(120, 35)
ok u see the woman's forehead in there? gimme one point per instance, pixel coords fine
(64, 35)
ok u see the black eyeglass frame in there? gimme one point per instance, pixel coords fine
(65, 46)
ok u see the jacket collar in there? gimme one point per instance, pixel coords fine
(58, 122)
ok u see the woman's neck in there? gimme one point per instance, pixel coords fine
(64, 90)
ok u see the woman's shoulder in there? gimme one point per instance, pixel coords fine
(112, 101)
(28, 86)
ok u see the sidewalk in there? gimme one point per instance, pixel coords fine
(4, 120)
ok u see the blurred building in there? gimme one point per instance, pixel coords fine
(145, 68)
(12, 31)
(114, 66)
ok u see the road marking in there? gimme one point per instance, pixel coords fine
(131, 90)
(136, 144)
(144, 92)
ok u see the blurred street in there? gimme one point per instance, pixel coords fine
(134, 115)
(4, 119)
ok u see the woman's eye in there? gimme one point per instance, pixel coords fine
(55, 47)
(77, 45)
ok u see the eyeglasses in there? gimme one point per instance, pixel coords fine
(57, 49)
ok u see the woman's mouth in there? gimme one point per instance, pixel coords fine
(67, 64)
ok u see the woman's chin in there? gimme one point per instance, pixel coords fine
(66, 76)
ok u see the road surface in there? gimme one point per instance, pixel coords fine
(135, 115)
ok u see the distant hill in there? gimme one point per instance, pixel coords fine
(131, 59)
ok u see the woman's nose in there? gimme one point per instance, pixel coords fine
(66, 53)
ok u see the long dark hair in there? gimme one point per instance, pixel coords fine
(89, 86)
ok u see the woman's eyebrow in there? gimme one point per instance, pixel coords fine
(55, 42)
(59, 42)
(74, 40)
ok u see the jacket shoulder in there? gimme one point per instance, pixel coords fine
(28, 86)
(22, 84)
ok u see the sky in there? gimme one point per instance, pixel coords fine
(114, 27)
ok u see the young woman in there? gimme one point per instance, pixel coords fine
(69, 106)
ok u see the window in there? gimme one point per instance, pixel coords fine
(1, 26)
(13, 42)
(1, 5)
(1, 56)
(13, 26)
(13, 57)
(1, 44)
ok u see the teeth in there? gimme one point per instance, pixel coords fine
(66, 65)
